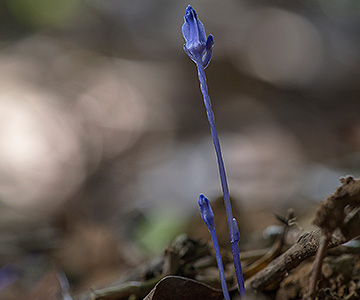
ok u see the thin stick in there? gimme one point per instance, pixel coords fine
(315, 274)
(305, 248)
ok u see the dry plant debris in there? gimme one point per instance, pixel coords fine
(347, 195)
(189, 262)
(330, 216)
(179, 288)
(332, 213)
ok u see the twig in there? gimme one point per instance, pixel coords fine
(275, 250)
(315, 274)
(305, 248)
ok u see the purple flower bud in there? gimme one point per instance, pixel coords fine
(197, 46)
(206, 212)
(208, 217)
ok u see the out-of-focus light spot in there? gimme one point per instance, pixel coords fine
(40, 162)
(114, 110)
(20, 141)
(284, 48)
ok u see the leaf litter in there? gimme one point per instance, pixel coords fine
(187, 268)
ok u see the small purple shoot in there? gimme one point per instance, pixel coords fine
(199, 49)
(208, 217)
(235, 252)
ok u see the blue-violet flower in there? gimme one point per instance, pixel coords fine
(199, 49)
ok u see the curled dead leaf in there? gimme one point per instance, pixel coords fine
(181, 288)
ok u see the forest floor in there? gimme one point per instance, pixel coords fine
(284, 270)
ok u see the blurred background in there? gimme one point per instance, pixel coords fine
(104, 138)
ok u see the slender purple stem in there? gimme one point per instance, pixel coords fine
(234, 232)
(220, 264)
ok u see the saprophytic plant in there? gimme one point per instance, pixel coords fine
(199, 48)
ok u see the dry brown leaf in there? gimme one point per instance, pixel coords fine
(181, 288)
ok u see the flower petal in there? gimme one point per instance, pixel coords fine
(197, 46)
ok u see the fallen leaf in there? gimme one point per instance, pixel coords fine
(181, 288)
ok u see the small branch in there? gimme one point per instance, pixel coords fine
(315, 274)
(275, 250)
(305, 248)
